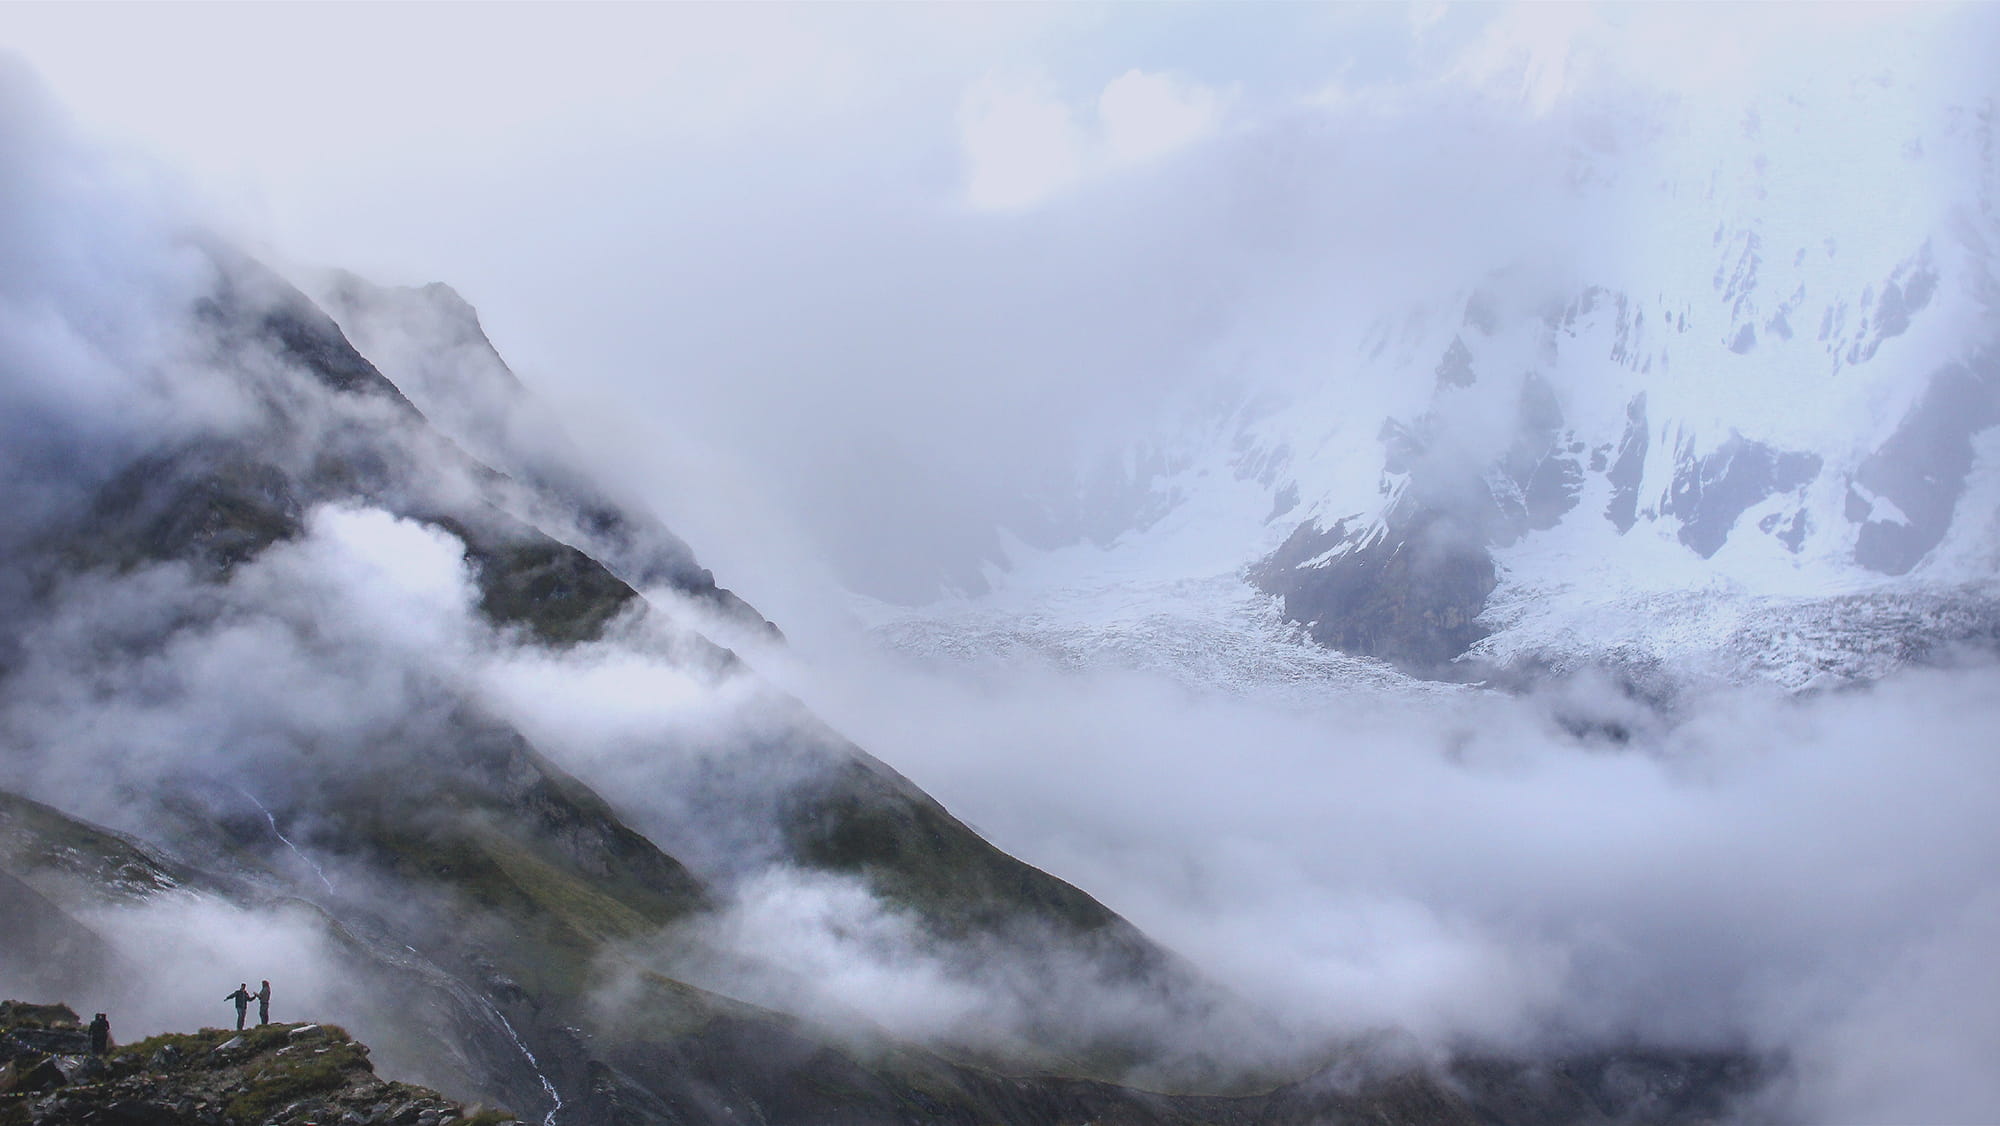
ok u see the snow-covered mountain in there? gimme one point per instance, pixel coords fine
(1738, 415)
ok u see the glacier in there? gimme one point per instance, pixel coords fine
(1734, 419)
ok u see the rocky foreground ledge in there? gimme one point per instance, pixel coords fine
(276, 1075)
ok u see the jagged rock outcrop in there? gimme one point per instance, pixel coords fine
(1903, 496)
(278, 1075)
(430, 342)
(1498, 457)
(1409, 593)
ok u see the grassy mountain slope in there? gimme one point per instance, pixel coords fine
(495, 901)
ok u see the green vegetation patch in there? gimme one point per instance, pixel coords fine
(26, 1014)
(301, 1071)
(190, 1045)
(556, 590)
(210, 501)
(561, 594)
(553, 920)
(915, 853)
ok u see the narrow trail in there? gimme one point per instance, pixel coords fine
(280, 834)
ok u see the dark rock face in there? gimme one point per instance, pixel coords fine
(1410, 590)
(216, 503)
(1410, 596)
(1467, 496)
(1790, 531)
(1551, 491)
(561, 595)
(1470, 495)
(29, 1074)
(253, 308)
(1626, 472)
(1887, 313)
(219, 503)
(1284, 501)
(467, 393)
(219, 500)
(1541, 473)
(1455, 369)
(1709, 493)
(1922, 467)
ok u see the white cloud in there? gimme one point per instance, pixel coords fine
(1023, 143)
(1805, 876)
(1148, 115)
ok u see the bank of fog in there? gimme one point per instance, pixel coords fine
(1815, 876)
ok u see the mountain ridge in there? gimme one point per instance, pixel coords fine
(1755, 356)
(519, 893)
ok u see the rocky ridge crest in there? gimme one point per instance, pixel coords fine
(277, 1074)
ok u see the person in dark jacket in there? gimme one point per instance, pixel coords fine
(100, 1034)
(242, 999)
(264, 1004)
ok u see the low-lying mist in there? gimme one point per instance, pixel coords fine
(1806, 876)
(1810, 876)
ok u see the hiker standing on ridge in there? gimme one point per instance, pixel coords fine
(242, 999)
(100, 1034)
(264, 1004)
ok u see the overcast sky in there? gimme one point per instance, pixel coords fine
(793, 253)
(829, 283)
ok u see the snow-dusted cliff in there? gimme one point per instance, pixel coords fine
(1738, 415)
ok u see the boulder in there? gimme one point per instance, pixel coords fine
(29, 1075)
(81, 1069)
